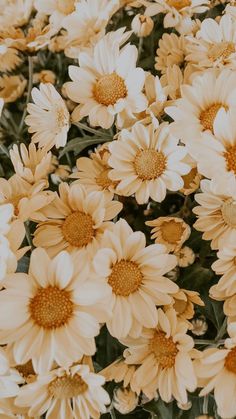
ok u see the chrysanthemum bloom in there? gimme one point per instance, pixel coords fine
(214, 45)
(9, 58)
(171, 50)
(11, 87)
(178, 13)
(57, 10)
(87, 24)
(135, 274)
(216, 215)
(107, 82)
(48, 117)
(93, 172)
(184, 301)
(216, 370)
(226, 267)
(124, 400)
(185, 256)
(170, 231)
(147, 162)
(196, 110)
(164, 355)
(26, 199)
(119, 371)
(75, 220)
(72, 393)
(29, 163)
(57, 310)
(15, 13)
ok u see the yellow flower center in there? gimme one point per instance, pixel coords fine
(66, 387)
(171, 231)
(103, 180)
(230, 361)
(62, 116)
(109, 89)
(230, 157)
(178, 4)
(222, 50)
(189, 178)
(78, 229)
(66, 6)
(207, 116)
(228, 211)
(164, 349)
(51, 307)
(125, 278)
(149, 164)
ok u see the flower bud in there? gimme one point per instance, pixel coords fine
(124, 400)
(142, 25)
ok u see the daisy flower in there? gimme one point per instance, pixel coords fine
(171, 51)
(184, 301)
(124, 400)
(164, 358)
(196, 110)
(170, 231)
(107, 82)
(226, 267)
(217, 370)
(135, 274)
(9, 58)
(76, 219)
(119, 371)
(192, 179)
(15, 13)
(146, 162)
(29, 163)
(57, 10)
(48, 117)
(9, 378)
(11, 87)
(185, 256)
(216, 215)
(57, 309)
(214, 45)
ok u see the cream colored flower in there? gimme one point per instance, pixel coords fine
(216, 215)
(196, 110)
(45, 76)
(93, 172)
(124, 400)
(57, 309)
(75, 220)
(164, 356)
(170, 231)
(107, 82)
(9, 378)
(184, 301)
(192, 179)
(199, 326)
(9, 58)
(119, 371)
(171, 50)
(87, 24)
(225, 266)
(146, 162)
(72, 393)
(216, 369)
(29, 163)
(6, 214)
(57, 10)
(185, 256)
(48, 117)
(135, 274)
(178, 13)
(15, 12)
(214, 45)
(26, 199)
(142, 25)
(11, 87)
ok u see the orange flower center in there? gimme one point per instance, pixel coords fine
(103, 180)
(66, 6)
(125, 278)
(109, 89)
(78, 229)
(164, 349)
(51, 307)
(66, 387)
(230, 158)
(230, 361)
(207, 116)
(178, 4)
(172, 231)
(149, 164)
(62, 116)
(222, 50)
(228, 211)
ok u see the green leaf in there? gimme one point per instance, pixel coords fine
(159, 408)
(78, 144)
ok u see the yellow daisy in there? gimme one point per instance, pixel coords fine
(9, 58)
(146, 162)
(57, 310)
(11, 87)
(135, 274)
(76, 219)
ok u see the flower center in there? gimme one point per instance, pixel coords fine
(78, 229)
(189, 178)
(222, 50)
(109, 89)
(207, 117)
(62, 116)
(149, 164)
(179, 4)
(103, 180)
(230, 361)
(51, 307)
(164, 349)
(230, 158)
(66, 6)
(67, 387)
(172, 231)
(228, 211)
(125, 278)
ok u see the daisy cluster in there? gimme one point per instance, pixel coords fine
(117, 209)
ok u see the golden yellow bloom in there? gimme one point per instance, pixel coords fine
(11, 87)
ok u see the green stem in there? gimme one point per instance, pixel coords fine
(91, 130)
(208, 342)
(205, 405)
(112, 413)
(31, 72)
(4, 149)
(222, 330)
(28, 234)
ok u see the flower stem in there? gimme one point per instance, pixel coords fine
(31, 72)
